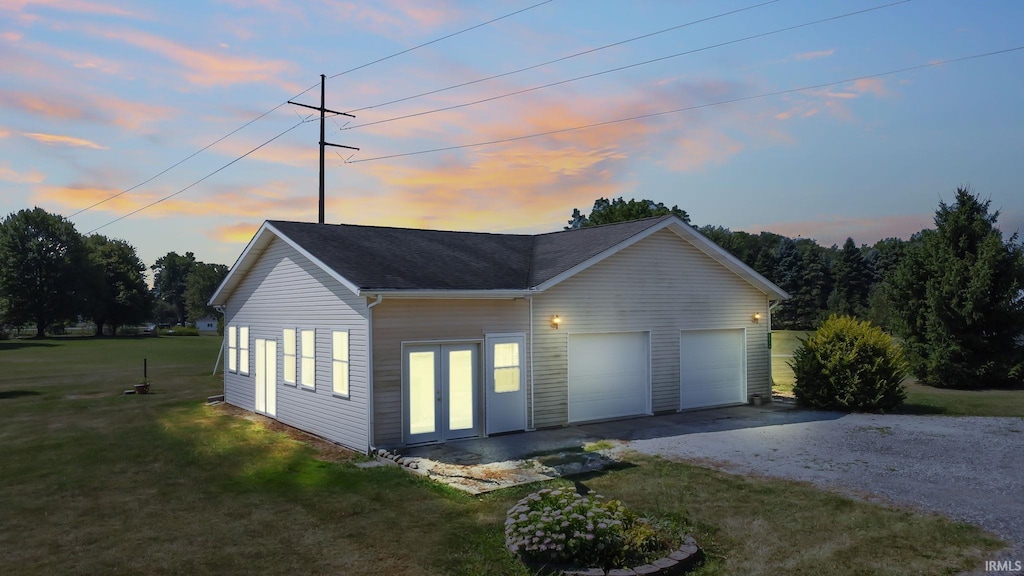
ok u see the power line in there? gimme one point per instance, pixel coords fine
(434, 41)
(169, 196)
(189, 157)
(696, 107)
(268, 112)
(563, 58)
(620, 68)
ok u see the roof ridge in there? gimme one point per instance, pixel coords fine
(533, 257)
(406, 228)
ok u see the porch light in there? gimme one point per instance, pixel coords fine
(756, 317)
(555, 321)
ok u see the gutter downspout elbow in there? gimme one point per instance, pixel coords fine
(369, 372)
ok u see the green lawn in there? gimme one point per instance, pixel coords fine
(95, 482)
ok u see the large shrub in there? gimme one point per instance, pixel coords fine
(849, 365)
(561, 526)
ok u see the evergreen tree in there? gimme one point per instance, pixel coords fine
(852, 278)
(955, 298)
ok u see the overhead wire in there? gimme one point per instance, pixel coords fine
(436, 40)
(275, 108)
(186, 188)
(563, 58)
(620, 68)
(696, 107)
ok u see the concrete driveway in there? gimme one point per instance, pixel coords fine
(967, 468)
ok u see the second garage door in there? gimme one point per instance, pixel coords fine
(711, 366)
(608, 375)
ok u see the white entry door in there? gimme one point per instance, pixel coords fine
(711, 368)
(506, 384)
(266, 376)
(440, 385)
(608, 375)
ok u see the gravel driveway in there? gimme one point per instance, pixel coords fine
(967, 468)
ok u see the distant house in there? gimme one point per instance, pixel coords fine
(384, 337)
(206, 324)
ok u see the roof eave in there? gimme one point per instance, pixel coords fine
(501, 294)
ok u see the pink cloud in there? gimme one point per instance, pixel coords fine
(207, 69)
(701, 148)
(835, 229)
(56, 139)
(101, 109)
(814, 55)
(31, 177)
(80, 6)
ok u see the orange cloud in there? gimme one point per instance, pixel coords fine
(271, 200)
(206, 68)
(9, 175)
(4, 133)
(240, 232)
(51, 139)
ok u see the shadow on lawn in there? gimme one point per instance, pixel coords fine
(9, 394)
(16, 344)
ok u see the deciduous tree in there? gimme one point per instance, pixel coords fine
(42, 265)
(171, 279)
(607, 211)
(200, 286)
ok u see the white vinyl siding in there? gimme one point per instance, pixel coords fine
(308, 349)
(661, 285)
(232, 349)
(243, 349)
(283, 290)
(288, 355)
(339, 370)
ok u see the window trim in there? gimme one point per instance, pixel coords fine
(285, 364)
(303, 372)
(337, 363)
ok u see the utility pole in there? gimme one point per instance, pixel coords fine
(323, 143)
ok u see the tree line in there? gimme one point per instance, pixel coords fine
(952, 294)
(51, 275)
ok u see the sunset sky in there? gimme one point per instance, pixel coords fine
(99, 96)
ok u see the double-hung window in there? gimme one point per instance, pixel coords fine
(243, 350)
(232, 349)
(289, 355)
(308, 350)
(339, 353)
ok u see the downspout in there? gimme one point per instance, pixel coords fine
(223, 341)
(533, 384)
(369, 372)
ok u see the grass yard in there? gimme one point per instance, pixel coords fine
(95, 482)
(920, 399)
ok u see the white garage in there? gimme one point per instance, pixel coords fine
(712, 368)
(609, 375)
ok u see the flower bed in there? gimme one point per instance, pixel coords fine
(560, 531)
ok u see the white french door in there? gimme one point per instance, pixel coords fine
(441, 398)
(266, 376)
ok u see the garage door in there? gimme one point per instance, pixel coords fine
(711, 368)
(608, 375)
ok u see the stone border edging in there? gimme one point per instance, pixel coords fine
(680, 561)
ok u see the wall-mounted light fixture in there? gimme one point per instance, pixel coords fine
(555, 321)
(756, 317)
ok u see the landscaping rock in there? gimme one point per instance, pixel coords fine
(665, 563)
(646, 569)
(621, 572)
(586, 572)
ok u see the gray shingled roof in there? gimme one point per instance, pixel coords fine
(377, 258)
